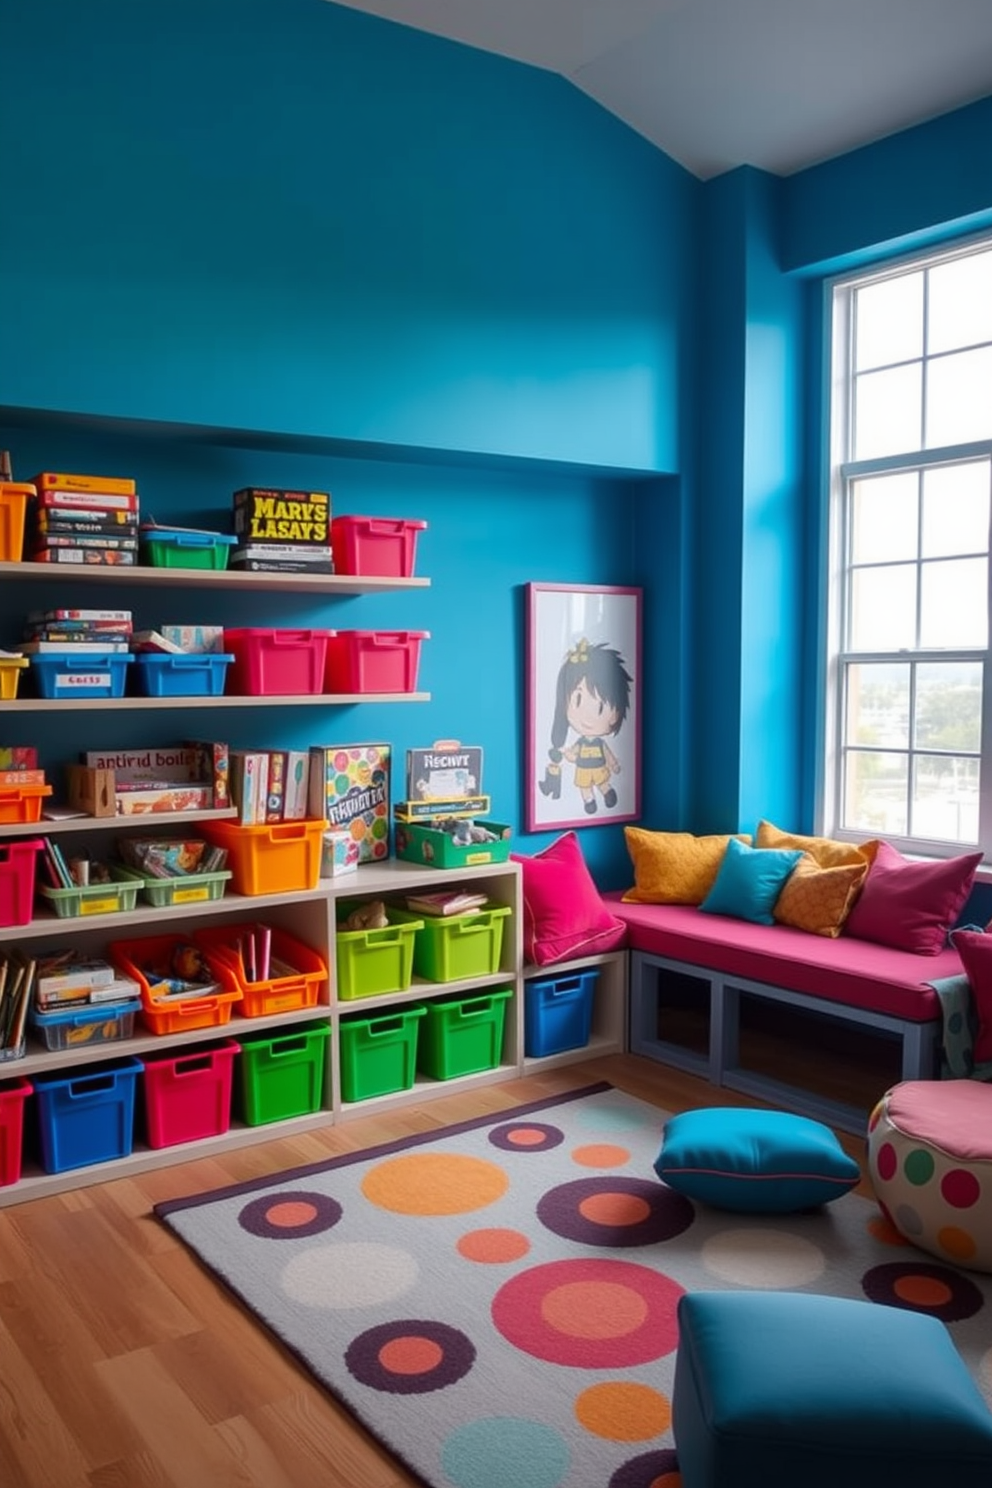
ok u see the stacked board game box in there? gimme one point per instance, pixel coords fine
(349, 788)
(83, 519)
(48, 632)
(282, 531)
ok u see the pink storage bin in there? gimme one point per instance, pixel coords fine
(373, 660)
(189, 1097)
(18, 865)
(276, 662)
(375, 545)
(13, 1094)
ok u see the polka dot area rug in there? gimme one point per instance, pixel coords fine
(496, 1302)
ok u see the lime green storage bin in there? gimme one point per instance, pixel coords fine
(284, 1076)
(379, 1055)
(461, 1036)
(371, 962)
(458, 947)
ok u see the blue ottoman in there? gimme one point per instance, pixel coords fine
(786, 1390)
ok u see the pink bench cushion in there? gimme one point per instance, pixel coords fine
(857, 972)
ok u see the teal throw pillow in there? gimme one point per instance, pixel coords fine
(754, 1162)
(749, 881)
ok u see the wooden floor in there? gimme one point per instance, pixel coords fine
(123, 1365)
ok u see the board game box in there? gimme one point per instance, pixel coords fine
(349, 788)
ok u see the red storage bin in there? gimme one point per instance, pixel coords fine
(13, 1094)
(373, 660)
(189, 1097)
(375, 545)
(276, 662)
(18, 863)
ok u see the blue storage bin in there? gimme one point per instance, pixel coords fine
(558, 1013)
(87, 1117)
(193, 675)
(64, 674)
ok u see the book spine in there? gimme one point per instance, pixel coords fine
(91, 500)
(297, 781)
(54, 480)
(85, 540)
(275, 796)
(85, 555)
(100, 524)
(95, 617)
(22, 777)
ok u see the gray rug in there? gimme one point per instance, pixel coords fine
(496, 1302)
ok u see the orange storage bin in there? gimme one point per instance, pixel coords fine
(375, 545)
(272, 858)
(180, 1014)
(13, 505)
(298, 972)
(373, 660)
(22, 803)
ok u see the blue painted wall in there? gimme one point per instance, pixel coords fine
(444, 285)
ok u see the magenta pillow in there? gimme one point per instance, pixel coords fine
(975, 950)
(564, 915)
(911, 905)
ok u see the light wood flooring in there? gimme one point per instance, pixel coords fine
(124, 1365)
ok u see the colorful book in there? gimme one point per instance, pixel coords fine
(140, 800)
(275, 796)
(78, 556)
(249, 785)
(65, 969)
(349, 788)
(53, 480)
(297, 785)
(75, 646)
(90, 500)
(88, 616)
(269, 514)
(83, 516)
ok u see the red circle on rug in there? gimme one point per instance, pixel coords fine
(590, 1314)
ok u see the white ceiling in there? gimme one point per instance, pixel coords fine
(778, 84)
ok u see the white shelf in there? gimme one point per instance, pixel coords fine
(165, 819)
(220, 579)
(186, 704)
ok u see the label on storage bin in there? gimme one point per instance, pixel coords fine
(100, 906)
(187, 896)
(82, 679)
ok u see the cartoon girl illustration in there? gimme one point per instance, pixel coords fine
(592, 696)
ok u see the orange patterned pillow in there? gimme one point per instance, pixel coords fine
(674, 867)
(828, 852)
(819, 899)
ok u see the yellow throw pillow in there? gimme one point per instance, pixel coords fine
(827, 852)
(674, 867)
(819, 899)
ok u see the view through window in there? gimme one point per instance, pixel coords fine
(908, 739)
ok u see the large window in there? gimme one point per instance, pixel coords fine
(908, 736)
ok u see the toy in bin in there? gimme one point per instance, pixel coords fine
(439, 822)
(181, 971)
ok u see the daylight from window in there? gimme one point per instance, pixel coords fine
(911, 432)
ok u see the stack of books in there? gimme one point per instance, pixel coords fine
(47, 632)
(281, 531)
(83, 519)
(70, 978)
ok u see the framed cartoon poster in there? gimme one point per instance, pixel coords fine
(583, 705)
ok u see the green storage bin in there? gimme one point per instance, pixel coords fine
(284, 1076)
(461, 1036)
(164, 547)
(418, 843)
(371, 962)
(458, 947)
(379, 1055)
(190, 888)
(102, 898)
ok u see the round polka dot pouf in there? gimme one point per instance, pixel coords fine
(930, 1159)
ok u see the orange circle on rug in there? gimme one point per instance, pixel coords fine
(410, 1355)
(527, 1136)
(601, 1155)
(922, 1291)
(606, 1208)
(623, 1412)
(492, 1246)
(290, 1214)
(434, 1183)
(593, 1309)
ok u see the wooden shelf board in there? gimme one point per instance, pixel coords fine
(186, 704)
(220, 579)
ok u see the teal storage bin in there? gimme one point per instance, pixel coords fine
(379, 1055)
(87, 1117)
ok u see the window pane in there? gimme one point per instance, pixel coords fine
(955, 509)
(949, 706)
(945, 799)
(889, 322)
(875, 791)
(877, 710)
(959, 398)
(888, 412)
(884, 515)
(954, 603)
(960, 308)
(883, 608)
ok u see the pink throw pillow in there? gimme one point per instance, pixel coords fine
(911, 905)
(564, 915)
(975, 950)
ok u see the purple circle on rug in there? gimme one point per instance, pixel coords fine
(649, 1470)
(290, 1215)
(920, 1287)
(526, 1136)
(615, 1211)
(410, 1356)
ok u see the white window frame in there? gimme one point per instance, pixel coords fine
(841, 472)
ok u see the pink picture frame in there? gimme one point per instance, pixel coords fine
(583, 706)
